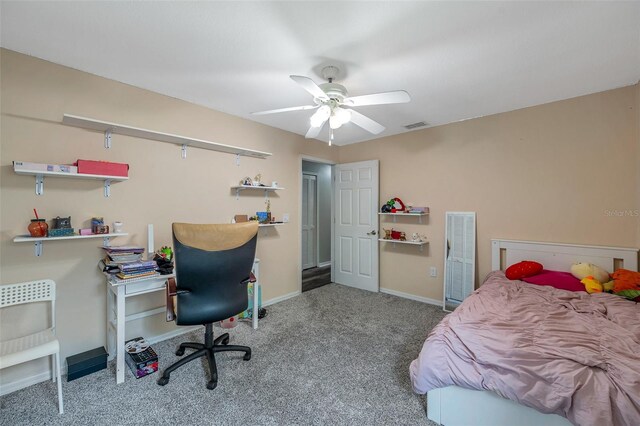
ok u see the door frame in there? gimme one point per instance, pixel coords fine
(315, 203)
(299, 228)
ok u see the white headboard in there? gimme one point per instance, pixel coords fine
(560, 257)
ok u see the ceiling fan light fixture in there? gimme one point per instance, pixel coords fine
(320, 116)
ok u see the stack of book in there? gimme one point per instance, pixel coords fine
(141, 269)
(125, 262)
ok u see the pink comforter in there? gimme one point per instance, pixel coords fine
(572, 354)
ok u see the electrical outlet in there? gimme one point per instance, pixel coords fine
(285, 217)
(433, 271)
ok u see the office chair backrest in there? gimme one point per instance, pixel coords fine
(212, 261)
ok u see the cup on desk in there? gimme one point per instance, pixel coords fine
(117, 227)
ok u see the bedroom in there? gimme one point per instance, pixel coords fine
(560, 147)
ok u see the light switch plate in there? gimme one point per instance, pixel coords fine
(433, 271)
(285, 217)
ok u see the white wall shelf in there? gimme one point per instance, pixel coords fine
(266, 189)
(113, 128)
(396, 215)
(40, 175)
(39, 240)
(267, 225)
(421, 244)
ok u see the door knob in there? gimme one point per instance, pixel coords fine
(372, 232)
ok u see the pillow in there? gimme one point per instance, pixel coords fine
(556, 279)
(526, 268)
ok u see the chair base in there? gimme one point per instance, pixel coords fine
(206, 349)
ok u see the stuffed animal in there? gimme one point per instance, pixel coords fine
(592, 285)
(584, 270)
(627, 284)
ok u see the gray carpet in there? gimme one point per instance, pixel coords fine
(335, 355)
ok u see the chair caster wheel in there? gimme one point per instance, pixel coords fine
(163, 381)
(180, 352)
(247, 356)
(212, 385)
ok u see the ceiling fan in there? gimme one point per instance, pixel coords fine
(335, 106)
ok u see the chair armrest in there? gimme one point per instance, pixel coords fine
(171, 291)
(251, 279)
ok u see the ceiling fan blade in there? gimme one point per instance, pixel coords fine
(395, 97)
(296, 108)
(366, 123)
(310, 86)
(313, 132)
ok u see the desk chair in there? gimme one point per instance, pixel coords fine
(37, 345)
(213, 267)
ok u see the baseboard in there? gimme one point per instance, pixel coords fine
(323, 264)
(7, 388)
(411, 296)
(281, 298)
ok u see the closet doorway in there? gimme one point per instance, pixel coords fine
(315, 222)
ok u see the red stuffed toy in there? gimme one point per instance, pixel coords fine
(524, 269)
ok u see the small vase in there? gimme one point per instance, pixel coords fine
(38, 228)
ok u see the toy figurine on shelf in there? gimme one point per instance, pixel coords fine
(257, 179)
(164, 259)
(246, 181)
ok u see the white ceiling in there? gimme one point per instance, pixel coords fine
(458, 60)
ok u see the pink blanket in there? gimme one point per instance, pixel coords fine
(568, 353)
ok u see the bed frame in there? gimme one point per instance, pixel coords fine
(454, 405)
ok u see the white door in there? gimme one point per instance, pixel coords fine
(356, 225)
(309, 221)
(460, 258)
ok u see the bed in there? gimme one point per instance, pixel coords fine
(536, 365)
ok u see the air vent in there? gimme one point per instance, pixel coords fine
(415, 125)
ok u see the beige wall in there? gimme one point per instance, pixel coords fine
(162, 188)
(546, 173)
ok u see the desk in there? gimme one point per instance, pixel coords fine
(117, 293)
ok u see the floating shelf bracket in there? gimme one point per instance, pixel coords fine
(237, 159)
(107, 187)
(107, 138)
(39, 184)
(38, 247)
(184, 151)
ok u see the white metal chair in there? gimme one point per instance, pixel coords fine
(37, 345)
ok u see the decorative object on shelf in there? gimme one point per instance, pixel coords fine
(117, 227)
(415, 237)
(61, 222)
(239, 218)
(98, 226)
(394, 205)
(392, 234)
(61, 227)
(415, 209)
(246, 181)
(93, 167)
(274, 184)
(263, 217)
(38, 227)
(257, 179)
(164, 259)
